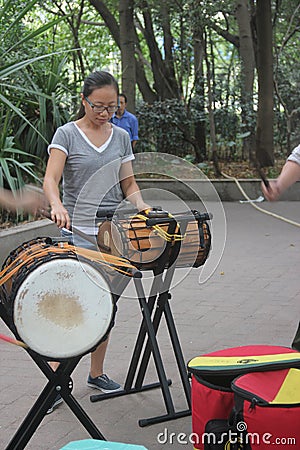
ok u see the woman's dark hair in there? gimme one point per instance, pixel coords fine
(96, 80)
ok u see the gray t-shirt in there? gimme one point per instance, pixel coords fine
(91, 174)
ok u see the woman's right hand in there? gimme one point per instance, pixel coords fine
(60, 216)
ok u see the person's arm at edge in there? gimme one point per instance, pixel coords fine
(290, 173)
(8, 200)
(30, 199)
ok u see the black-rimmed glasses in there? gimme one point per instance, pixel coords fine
(101, 109)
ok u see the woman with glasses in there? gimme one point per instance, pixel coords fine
(94, 158)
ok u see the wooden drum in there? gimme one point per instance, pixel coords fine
(59, 306)
(144, 245)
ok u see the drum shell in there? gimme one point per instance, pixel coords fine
(195, 246)
(145, 248)
(64, 305)
(132, 240)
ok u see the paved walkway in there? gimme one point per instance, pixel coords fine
(251, 298)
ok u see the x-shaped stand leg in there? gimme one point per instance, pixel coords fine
(59, 381)
(158, 300)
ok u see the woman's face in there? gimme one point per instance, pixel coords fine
(102, 97)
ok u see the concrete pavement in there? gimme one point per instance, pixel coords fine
(251, 298)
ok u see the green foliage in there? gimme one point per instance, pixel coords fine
(40, 91)
(85, 34)
(168, 127)
(227, 129)
(14, 63)
(17, 92)
(48, 107)
(16, 166)
(162, 128)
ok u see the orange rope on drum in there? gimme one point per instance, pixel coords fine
(40, 250)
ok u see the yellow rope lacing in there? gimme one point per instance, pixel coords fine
(161, 232)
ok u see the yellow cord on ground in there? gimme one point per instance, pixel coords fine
(257, 207)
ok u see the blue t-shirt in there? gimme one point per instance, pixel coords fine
(129, 123)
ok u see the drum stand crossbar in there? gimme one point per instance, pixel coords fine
(153, 309)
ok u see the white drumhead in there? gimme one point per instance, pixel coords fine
(63, 308)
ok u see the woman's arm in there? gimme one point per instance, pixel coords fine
(130, 187)
(54, 171)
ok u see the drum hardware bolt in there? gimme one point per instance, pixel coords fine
(137, 274)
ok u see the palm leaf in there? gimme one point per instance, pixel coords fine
(34, 34)
(19, 16)
(20, 114)
(8, 69)
(5, 174)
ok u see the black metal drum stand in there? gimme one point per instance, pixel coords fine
(59, 381)
(153, 309)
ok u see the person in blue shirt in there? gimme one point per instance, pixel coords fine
(124, 119)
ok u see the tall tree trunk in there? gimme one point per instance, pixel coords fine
(127, 38)
(247, 75)
(210, 108)
(148, 94)
(200, 135)
(162, 82)
(169, 69)
(264, 131)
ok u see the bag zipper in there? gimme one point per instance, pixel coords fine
(258, 401)
(247, 369)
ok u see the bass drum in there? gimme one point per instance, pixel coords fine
(59, 305)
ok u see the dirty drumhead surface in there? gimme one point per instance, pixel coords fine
(63, 308)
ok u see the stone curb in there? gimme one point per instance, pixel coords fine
(227, 190)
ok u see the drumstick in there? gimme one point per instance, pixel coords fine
(12, 341)
(263, 178)
(262, 175)
(73, 230)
